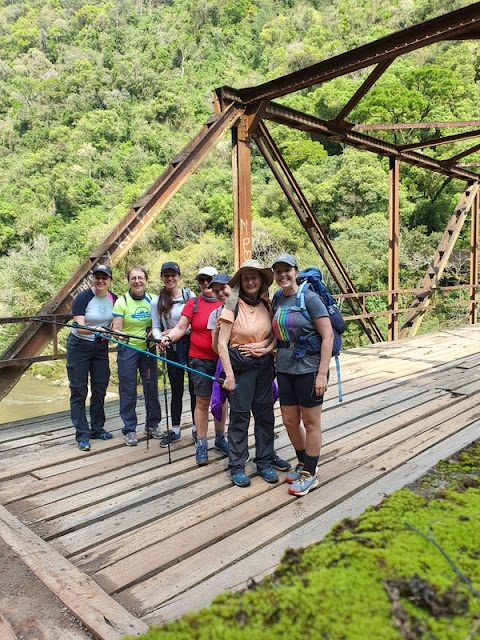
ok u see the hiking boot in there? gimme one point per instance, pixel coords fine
(170, 439)
(194, 435)
(303, 485)
(268, 474)
(155, 432)
(281, 465)
(131, 439)
(240, 479)
(295, 474)
(201, 454)
(221, 444)
(100, 435)
(84, 446)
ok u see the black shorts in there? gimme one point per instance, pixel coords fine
(202, 386)
(298, 390)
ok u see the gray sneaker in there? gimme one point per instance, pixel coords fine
(155, 432)
(131, 439)
(295, 474)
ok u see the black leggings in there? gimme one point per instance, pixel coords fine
(177, 385)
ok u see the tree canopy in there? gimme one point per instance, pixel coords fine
(97, 97)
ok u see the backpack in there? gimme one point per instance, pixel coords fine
(311, 279)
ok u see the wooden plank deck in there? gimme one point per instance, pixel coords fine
(126, 539)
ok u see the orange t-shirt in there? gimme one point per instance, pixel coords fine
(252, 324)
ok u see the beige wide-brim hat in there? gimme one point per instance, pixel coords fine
(266, 272)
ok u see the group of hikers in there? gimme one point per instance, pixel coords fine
(230, 331)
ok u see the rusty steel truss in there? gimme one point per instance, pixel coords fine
(245, 112)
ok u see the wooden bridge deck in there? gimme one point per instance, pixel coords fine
(125, 539)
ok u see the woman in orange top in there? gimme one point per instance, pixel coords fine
(245, 345)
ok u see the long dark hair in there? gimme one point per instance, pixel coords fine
(165, 303)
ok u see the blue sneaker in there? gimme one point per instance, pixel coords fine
(281, 465)
(171, 439)
(240, 479)
(303, 485)
(201, 455)
(84, 446)
(221, 444)
(100, 435)
(268, 474)
(194, 436)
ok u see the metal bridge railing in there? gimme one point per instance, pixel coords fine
(467, 298)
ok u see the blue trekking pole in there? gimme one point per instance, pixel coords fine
(154, 355)
(103, 335)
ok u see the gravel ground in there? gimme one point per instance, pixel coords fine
(33, 612)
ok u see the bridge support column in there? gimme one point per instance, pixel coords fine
(393, 260)
(242, 204)
(474, 259)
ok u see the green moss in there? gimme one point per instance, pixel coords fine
(372, 577)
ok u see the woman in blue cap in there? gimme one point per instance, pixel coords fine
(87, 355)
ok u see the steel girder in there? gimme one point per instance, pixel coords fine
(309, 221)
(324, 129)
(460, 24)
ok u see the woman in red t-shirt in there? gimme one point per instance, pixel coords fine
(201, 357)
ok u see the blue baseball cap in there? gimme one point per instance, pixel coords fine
(220, 278)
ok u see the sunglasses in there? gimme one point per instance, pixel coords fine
(204, 279)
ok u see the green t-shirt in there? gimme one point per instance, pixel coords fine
(136, 317)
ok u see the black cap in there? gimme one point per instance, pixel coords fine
(102, 268)
(220, 278)
(170, 265)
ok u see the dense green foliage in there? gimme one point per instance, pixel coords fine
(374, 577)
(97, 96)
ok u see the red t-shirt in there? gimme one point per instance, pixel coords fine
(201, 337)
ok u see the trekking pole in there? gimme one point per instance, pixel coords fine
(102, 334)
(147, 404)
(77, 325)
(166, 410)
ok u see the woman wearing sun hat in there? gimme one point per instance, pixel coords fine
(87, 355)
(249, 366)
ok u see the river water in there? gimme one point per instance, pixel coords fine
(33, 397)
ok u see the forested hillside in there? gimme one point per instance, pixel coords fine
(97, 97)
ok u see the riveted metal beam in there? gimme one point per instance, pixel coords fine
(453, 25)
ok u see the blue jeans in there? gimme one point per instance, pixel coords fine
(86, 358)
(129, 362)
